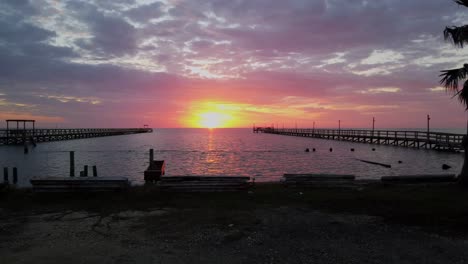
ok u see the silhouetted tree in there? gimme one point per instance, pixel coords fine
(450, 79)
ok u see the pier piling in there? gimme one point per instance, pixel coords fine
(5, 175)
(72, 164)
(94, 171)
(151, 155)
(85, 171)
(15, 175)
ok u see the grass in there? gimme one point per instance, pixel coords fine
(436, 208)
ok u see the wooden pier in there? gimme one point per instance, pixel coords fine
(410, 139)
(21, 135)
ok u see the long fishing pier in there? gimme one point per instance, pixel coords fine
(19, 135)
(410, 139)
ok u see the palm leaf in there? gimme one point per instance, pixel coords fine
(463, 95)
(462, 2)
(451, 77)
(458, 35)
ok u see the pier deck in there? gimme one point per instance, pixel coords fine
(21, 136)
(411, 139)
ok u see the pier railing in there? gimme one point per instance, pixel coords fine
(416, 139)
(20, 136)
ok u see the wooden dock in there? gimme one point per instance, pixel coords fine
(410, 139)
(22, 136)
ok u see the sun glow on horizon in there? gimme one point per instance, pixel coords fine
(213, 119)
(209, 114)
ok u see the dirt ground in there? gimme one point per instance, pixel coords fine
(216, 231)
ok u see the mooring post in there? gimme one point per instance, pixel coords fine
(15, 175)
(72, 164)
(26, 150)
(94, 171)
(151, 158)
(5, 174)
(85, 171)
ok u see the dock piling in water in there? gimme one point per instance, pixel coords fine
(94, 171)
(5, 175)
(15, 175)
(72, 164)
(85, 171)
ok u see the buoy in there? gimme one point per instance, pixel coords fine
(352, 149)
(331, 149)
(400, 161)
(373, 149)
(313, 149)
(307, 150)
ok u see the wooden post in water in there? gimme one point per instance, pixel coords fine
(151, 156)
(94, 171)
(72, 164)
(85, 171)
(5, 174)
(15, 175)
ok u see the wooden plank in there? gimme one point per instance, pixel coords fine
(319, 176)
(420, 178)
(57, 184)
(205, 178)
(376, 163)
(204, 183)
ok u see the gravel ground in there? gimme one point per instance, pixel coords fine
(270, 235)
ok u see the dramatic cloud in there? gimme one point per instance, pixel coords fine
(167, 62)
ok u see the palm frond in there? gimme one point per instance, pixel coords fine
(463, 95)
(451, 77)
(458, 35)
(462, 2)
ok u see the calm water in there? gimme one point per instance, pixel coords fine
(222, 152)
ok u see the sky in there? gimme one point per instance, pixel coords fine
(228, 63)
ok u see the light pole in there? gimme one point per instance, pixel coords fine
(428, 143)
(428, 119)
(339, 129)
(313, 128)
(373, 124)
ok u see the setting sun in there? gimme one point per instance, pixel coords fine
(213, 119)
(209, 114)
